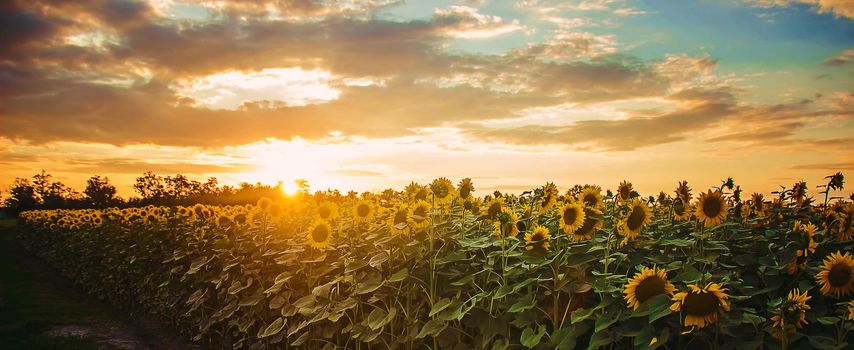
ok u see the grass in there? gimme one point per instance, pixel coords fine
(32, 301)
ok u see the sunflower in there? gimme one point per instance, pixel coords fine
(443, 190)
(851, 310)
(624, 191)
(398, 220)
(807, 231)
(549, 198)
(591, 196)
(645, 285)
(837, 275)
(493, 207)
(711, 208)
(465, 188)
(363, 211)
(571, 217)
(327, 211)
(590, 226)
(319, 234)
(262, 203)
(639, 215)
(505, 224)
(538, 239)
(681, 210)
(416, 192)
(702, 306)
(683, 192)
(757, 205)
(792, 314)
(419, 215)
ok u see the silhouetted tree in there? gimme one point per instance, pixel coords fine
(22, 196)
(100, 192)
(150, 186)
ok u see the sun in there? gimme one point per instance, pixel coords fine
(289, 188)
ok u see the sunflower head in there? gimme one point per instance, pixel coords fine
(443, 190)
(398, 220)
(465, 189)
(711, 208)
(493, 207)
(637, 216)
(327, 211)
(263, 203)
(683, 191)
(591, 224)
(646, 284)
(363, 211)
(538, 239)
(319, 234)
(505, 224)
(419, 215)
(701, 306)
(571, 217)
(624, 191)
(681, 210)
(851, 310)
(836, 276)
(791, 314)
(591, 196)
(549, 197)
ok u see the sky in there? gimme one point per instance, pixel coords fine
(372, 94)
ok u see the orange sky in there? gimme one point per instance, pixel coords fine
(370, 94)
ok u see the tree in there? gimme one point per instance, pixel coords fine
(22, 196)
(100, 192)
(150, 186)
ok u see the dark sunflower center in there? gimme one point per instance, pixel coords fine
(493, 209)
(712, 207)
(700, 304)
(569, 216)
(399, 217)
(624, 192)
(589, 199)
(421, 212)
(636, 219)
(441, 191)
(507, 230)
(521, 226)
(649, 287)
(587, 227)
(679, 208)
(421, 195)
(465, 191)
(363, 210)
(839, 276)
(320, 233)
(324, 212)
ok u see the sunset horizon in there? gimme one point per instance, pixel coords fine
(367, 95)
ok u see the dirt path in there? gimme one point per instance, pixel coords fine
(40, 309)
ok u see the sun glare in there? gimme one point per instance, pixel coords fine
(290, 188)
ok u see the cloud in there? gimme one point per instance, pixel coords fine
(845, 57)
(825, 166)
(466, 22)
(839, 8)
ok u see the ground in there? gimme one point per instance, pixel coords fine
(39, 309)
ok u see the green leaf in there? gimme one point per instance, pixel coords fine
(531, 339)
(439, 306)
(566, 337)
(600, 339)
(688, 274)
(400, 275)
(273, 329)
(828, 320)
(376, 318)
(369, 285)
(378, 259)
(431, 328)
(659, 306)
(824, 342)
(607, 319)
(523, 304)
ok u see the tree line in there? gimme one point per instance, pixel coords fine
(42, 191)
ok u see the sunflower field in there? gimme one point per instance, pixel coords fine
(437, 267)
